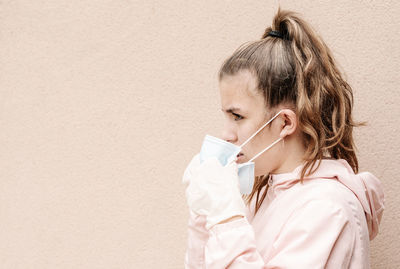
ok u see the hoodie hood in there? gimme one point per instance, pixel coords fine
(366, 187)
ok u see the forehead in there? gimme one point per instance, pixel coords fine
(240, 91)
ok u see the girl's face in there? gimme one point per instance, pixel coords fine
(245, 112)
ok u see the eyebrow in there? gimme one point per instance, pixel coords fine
(231, 109)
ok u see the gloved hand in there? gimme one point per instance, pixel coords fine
(191, 169)
(213, 190)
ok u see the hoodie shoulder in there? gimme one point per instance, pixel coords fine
(365, 187)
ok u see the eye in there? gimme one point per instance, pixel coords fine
(237, 116)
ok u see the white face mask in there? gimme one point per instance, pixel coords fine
(226, 152)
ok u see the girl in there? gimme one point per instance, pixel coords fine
(309, 206)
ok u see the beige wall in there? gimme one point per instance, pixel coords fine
(103, 103)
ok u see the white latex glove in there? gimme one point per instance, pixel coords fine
(191, 169)
(213, 190)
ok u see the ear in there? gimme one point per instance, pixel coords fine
(289, 122)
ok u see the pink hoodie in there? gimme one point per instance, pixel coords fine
(326, 222)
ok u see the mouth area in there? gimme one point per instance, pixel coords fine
(239, 158)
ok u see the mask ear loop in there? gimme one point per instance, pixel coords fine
(267, 148)
(248, 139)
(230, 161)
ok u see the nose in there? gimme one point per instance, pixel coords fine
(229, 134)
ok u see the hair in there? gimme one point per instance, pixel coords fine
(297, 69)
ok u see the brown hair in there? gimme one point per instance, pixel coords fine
(298, 69)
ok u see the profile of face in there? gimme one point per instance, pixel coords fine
(245, 112)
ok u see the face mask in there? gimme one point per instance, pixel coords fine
(226, 152)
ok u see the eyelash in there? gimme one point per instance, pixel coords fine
(237, 116)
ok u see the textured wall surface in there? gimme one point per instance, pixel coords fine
(103, 104)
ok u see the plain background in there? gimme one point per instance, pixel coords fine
(104, 103)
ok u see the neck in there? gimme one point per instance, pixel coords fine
(292, 157)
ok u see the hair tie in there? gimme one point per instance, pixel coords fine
(275, 34)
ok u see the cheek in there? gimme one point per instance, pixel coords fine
(244, 132)
(260, 142)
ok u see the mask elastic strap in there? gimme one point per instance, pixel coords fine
(267, 148)
(245, 142)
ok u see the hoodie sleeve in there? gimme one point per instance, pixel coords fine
(196, 241)
(317, 235)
